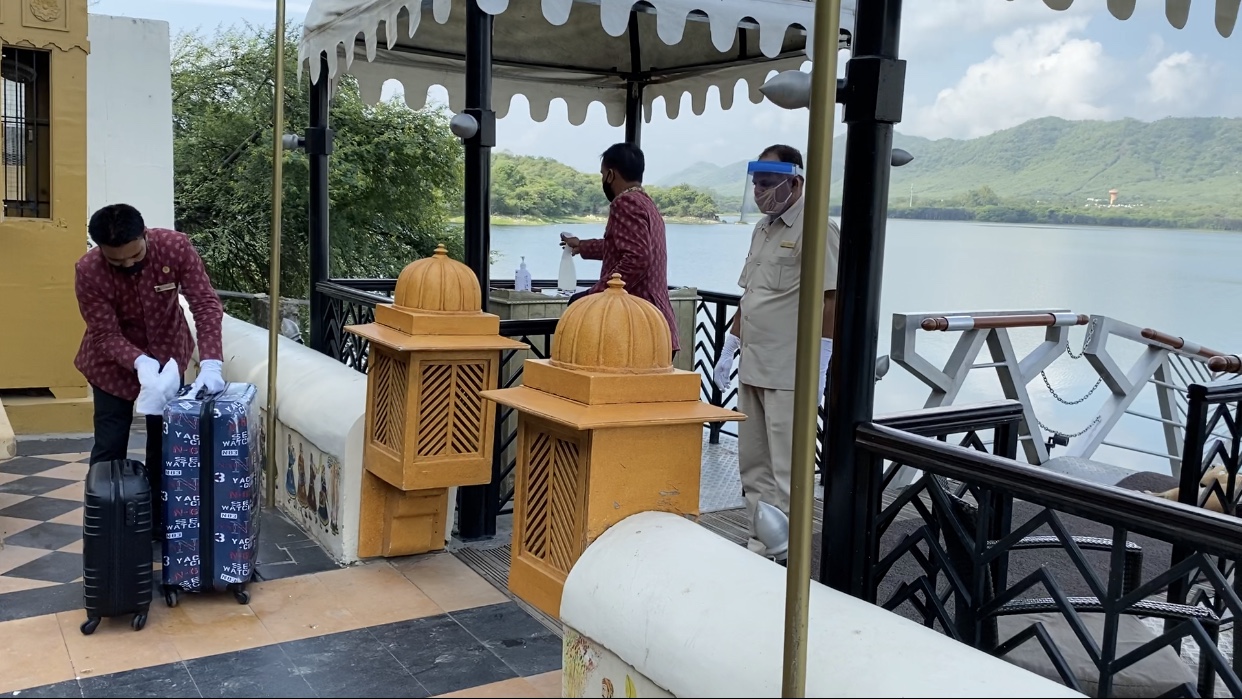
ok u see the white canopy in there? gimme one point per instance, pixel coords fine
(1176, 10)
(581, 50)
(577, 50)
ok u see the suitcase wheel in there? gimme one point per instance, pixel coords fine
(171, 597)
(242, 596)
(88, 627)
(140, 620)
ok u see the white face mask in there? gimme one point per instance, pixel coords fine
(771, 202)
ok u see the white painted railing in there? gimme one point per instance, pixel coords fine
(1145, 378)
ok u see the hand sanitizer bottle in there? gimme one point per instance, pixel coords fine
(521, 278)
(567, 282)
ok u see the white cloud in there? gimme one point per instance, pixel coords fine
(1045, 70)
(939, 26)
(1180, 82)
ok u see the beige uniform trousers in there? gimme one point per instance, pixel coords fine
(764, 450)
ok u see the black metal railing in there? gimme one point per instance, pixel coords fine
(1211, 458)
(537, 334)
(1090, 562)
(712, 320)
(348, 304)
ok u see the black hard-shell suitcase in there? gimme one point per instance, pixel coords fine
(116, 543)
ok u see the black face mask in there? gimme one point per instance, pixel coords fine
(134, 268)
(608, 190)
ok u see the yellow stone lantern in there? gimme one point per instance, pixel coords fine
(433, 350)
(607, 428)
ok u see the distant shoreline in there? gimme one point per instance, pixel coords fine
(1017, 217)
(498, 220)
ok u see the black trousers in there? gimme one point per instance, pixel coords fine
(114, 416)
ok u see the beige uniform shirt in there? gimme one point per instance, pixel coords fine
(770, 280)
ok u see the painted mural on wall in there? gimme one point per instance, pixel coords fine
(309, 485)
(590, 670)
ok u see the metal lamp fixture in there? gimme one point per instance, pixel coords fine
(464, 126)
(791, 89)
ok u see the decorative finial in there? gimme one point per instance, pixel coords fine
(441, 251)
(615, 283)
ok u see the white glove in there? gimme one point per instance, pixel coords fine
(722, 374)
(156, 393)
(825, 356)
(210, 377)
(148, 371)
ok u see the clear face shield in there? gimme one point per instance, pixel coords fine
(769, 189)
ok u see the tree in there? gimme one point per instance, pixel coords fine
(543, 188)
(684, 201)
(394, 176)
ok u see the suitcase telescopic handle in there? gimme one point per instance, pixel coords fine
(185, 391)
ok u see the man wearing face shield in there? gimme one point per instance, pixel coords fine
(137, 341)
(634, 241)
(765, 329)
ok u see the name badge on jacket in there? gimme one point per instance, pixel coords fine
(170, 286)
(787, 244)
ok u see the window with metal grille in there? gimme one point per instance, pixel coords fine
(26, 77)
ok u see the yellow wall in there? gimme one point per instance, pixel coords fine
(40, 327)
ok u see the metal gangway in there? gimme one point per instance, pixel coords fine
(1144, 373)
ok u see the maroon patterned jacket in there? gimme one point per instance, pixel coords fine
(634, 247)
(131, 315)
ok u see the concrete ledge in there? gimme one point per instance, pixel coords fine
(694, 615)
(8, 440)
(46, 415)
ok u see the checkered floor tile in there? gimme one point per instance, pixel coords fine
(41, 497)
(41, 520)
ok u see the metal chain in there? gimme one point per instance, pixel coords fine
(1043, 374)
(1068, 350)
(1070, 402)
(1085, 341)
(1079, 433)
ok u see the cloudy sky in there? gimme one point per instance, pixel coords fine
(975, 66)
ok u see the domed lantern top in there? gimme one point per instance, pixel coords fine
(438, 284)
(613, 332)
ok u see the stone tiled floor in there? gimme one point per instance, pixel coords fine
(415, 627)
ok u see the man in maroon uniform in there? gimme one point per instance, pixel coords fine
(633, 244)
(127, 291)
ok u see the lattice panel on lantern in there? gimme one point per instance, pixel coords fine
(390, 375)
(450, 408)
(550, 532)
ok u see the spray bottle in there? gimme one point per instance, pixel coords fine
(567, 281)
(521, 278)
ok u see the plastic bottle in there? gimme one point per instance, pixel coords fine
(521, 278)
(568, 279)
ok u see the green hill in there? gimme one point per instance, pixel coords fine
(1172, 167)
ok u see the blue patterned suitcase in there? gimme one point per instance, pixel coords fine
(210, 492)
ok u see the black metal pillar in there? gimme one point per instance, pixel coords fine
(875, 81)
(634, 113)
(318, 144)
(479, 147)
(475, 519)
(633, 86)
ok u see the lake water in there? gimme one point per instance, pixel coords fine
(1186, 283)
